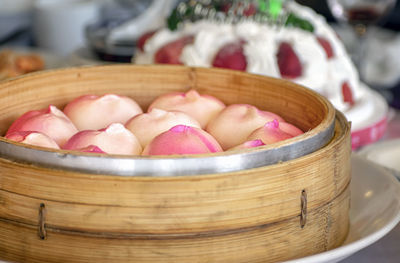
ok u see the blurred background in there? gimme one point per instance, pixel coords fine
(78, 32)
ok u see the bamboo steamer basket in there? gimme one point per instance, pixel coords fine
(267, 204)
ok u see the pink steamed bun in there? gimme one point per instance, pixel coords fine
(114, 139)
(271, 132)
(236, 122)
(146, 126)
(92, 112)
(182, 139)
(50, 121)
(201, 107)
(33, 138)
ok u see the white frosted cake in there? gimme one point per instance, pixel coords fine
(317, 59)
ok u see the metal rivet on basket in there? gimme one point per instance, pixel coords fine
(42, 219)
(303, 214)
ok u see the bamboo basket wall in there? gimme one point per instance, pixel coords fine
(272, 213)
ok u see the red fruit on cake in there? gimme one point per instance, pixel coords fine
(142, 40)
(327, 47)
(251, 10)
(171, 52)
(231, 56)
(347, 94)
(288, 62)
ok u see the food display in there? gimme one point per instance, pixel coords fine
(14, 63)
(206, 202)
(300, 46)
(197, 123)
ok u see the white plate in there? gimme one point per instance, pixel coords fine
(386, 153)
(374, 210)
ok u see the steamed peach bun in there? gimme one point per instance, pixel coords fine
(203, 108)
(50, 121)
(182, 139)
(33, 138)
(176, 123)
(236, 122)
(146, 126)
(92, 112)
(114, 139)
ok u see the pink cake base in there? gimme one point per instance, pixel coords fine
(369, 134)
(369, 118)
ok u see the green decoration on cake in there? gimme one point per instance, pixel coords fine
(275, 8)
(267, 11)
(173, 20)
(296, 21)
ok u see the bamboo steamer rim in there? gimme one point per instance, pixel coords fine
(174, 165)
